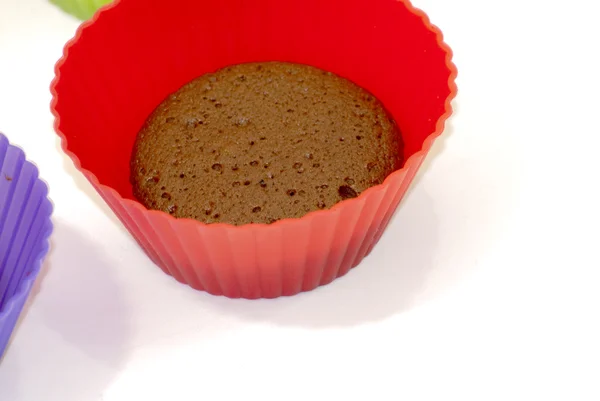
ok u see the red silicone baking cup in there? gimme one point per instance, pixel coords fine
(123, 63)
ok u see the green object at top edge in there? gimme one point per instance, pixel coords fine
(82, 9)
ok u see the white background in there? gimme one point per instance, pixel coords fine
(485, 286)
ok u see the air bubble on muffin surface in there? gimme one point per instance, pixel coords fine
(286, 139)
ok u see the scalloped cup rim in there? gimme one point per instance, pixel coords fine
(427, 143)
(44, 239)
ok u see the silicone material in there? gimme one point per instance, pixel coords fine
(133, 53)
(24, 230)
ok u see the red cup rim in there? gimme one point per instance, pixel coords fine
(410, 162)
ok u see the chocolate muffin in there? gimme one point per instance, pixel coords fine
(259, 142)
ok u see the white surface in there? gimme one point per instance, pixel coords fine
(485, 286)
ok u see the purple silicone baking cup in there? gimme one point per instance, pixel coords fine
(25, 227)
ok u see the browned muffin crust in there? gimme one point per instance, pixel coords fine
(259, 142)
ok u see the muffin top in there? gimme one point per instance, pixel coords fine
(258, 142)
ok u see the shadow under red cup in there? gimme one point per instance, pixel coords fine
(133, 53)
(25, 226)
